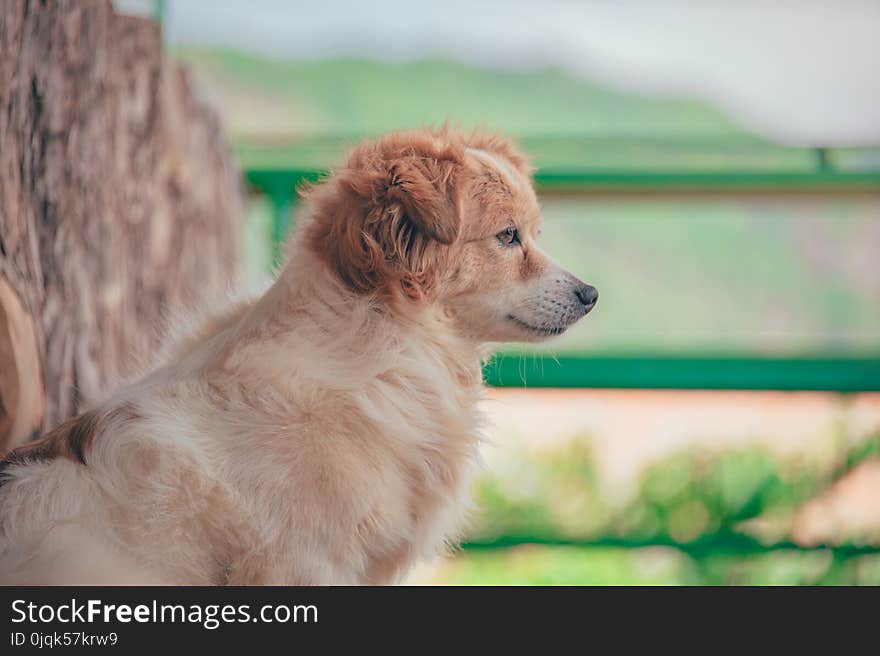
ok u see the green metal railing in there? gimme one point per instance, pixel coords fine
(751, 372)
(730, 544)
(743, 372)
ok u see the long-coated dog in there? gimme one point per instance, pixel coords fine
(325, 432)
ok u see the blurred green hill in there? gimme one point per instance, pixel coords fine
(357, 96)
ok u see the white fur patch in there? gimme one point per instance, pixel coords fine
(507, 172)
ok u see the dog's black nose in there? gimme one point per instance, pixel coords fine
(587, 294)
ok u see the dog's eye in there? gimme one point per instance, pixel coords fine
(509, 236)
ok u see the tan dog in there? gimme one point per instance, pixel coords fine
(324, 433)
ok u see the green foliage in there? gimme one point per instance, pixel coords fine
(548, 495)
(695, 508)
(692, 495)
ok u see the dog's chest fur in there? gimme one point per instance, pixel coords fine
(351, 479)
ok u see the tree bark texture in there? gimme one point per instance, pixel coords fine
(119, 203)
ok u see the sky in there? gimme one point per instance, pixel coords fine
(799, 72)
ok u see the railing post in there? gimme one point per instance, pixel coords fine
(823, 163)
(282, 200)
(159, 11)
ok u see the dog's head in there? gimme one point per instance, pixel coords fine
(448, 218)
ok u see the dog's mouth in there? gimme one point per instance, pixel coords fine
(543, 331)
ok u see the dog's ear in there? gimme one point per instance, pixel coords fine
(426, 190)
(385, 220)
(413, 212)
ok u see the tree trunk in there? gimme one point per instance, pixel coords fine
(119, 202)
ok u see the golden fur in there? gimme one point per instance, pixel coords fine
(325, 432)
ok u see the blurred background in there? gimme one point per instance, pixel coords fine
(714, 169)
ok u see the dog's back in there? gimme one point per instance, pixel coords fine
(98, 499)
